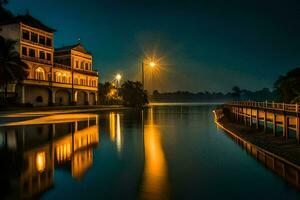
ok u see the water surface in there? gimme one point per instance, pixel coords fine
(166, 152)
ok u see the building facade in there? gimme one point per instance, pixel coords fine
(62, 76)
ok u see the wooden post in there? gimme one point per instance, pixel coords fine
(287, 127)
(250, 117)
(265, 121)
(257, 118)
(245, 116)
(297, 128)
(284, 126)
(274, 124)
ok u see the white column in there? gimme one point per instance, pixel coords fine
(23, 94)
(53, 96)
(75, 97)
(96, 98)
(88, 98)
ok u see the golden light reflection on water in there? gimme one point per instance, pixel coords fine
(115, 131)
(112, 126)
(71, 145)
(155, 183)
(40, 161)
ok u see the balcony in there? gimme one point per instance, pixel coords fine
(36, 43)
(48, 62)
(56, 84)
(66, 67)
(92, 73)
(61, 66)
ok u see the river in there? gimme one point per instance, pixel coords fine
(164, 152)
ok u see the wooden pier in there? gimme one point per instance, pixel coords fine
(268, 114)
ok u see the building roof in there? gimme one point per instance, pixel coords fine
(28, 20)
(77, 47)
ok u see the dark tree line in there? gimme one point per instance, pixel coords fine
(236, 94)
(288, 87)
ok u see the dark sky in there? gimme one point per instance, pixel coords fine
(202, 45)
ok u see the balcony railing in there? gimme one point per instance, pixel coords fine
(38, 60)
(62, 83)
(93, 73)
(62, 66)
(268, 105)
(37, 43)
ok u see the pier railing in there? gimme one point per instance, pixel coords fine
(268, 105)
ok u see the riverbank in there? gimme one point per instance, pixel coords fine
(276, 153)
(287, 149)
(30, 113)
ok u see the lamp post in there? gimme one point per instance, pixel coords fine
(151, 64)
(72, 91)
(118, 78)
(51, 87)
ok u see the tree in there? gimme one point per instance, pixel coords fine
(12, 68)
(133, 94)
(4, 14)
(288, 86)
(236, 92)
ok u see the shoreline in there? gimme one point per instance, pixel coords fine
(275, 153)
(27, 114)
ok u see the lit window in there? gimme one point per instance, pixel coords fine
(39, 74)
(64, 78)
(76, 81)
(58, 77)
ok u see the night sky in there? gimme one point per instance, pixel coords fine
(202, 45)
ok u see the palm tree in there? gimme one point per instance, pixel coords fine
(4, 13)
(12, 68)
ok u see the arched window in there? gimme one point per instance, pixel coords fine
(39, 73)
(82, 65)
(64, 78)
(58, 77)
(76, 81)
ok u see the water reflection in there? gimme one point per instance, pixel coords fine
(155, 176)
(115, 130)
(29, 154)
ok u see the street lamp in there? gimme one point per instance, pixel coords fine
(152, 64)
(118, 78)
